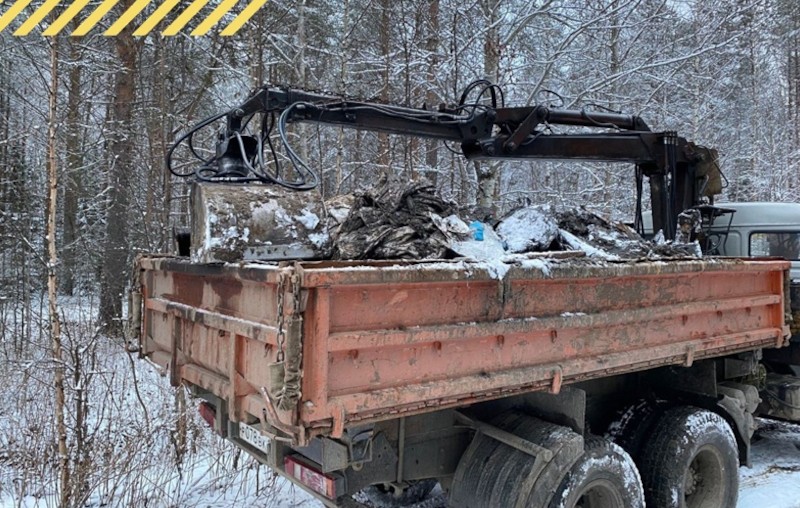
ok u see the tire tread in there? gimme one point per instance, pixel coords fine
(658, 458)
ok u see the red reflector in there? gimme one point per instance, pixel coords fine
(208, 413)
(310, 476)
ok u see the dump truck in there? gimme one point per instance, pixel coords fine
(563, 381)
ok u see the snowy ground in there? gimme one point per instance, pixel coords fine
(774, 479)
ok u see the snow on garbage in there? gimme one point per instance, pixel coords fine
(395, 222)
(490, 250)
(408, 221)
(532, 228)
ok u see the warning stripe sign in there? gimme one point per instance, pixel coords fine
(89, 18)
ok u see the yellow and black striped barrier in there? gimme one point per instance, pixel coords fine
(79, 7)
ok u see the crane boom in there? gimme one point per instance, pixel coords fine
(681, 174)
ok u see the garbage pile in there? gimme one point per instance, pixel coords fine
(410, 222)
(400, 220)
(396, 222)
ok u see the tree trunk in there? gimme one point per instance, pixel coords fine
(257, 42)
(158, 200)
(164, 133)
(793, 82)
(5, 114)
(115, 249)
(342, 89)
(302, 71)
(488, 173)
(52, 282)
(432, 50)
(73, 173)
(181, 431)
(615, 66)
(385, 39)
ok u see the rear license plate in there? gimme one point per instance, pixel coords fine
(254, 437)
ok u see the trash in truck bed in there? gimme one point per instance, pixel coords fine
(398, 221)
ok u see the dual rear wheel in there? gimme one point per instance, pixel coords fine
(670, 457)
(687, 456)
(591, 473)
(690, 461)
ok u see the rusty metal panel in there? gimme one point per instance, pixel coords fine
(410, 339)
(213, 326)
(382, 339)
(401, 305)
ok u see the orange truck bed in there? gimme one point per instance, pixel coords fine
(380, 340)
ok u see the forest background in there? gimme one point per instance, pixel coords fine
(85, 123)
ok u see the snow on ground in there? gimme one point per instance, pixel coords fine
(774, 479)
(138, 454)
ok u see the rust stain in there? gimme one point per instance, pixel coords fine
(400, 297)
(188, 289)
(228, 291)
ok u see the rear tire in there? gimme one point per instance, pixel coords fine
(691, 461)
(492, 474)
(605, 476)
(386, 497)
(632, 427)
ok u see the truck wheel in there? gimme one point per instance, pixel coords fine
(691, 461)
(492, 474)
(604, 477)
(633, 425)
(384, 496)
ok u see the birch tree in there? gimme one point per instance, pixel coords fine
(52, 281)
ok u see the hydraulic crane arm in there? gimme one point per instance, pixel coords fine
(465, 123)
(679, 172)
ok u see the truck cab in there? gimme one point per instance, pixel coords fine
(756, 229)
(759, 229)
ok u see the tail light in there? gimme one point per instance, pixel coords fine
(208, 413)
(310, 476)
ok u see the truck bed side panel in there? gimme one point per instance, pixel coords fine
(385, 339)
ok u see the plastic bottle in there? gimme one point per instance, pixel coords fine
(477, 230)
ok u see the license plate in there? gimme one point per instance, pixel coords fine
(254, 437)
